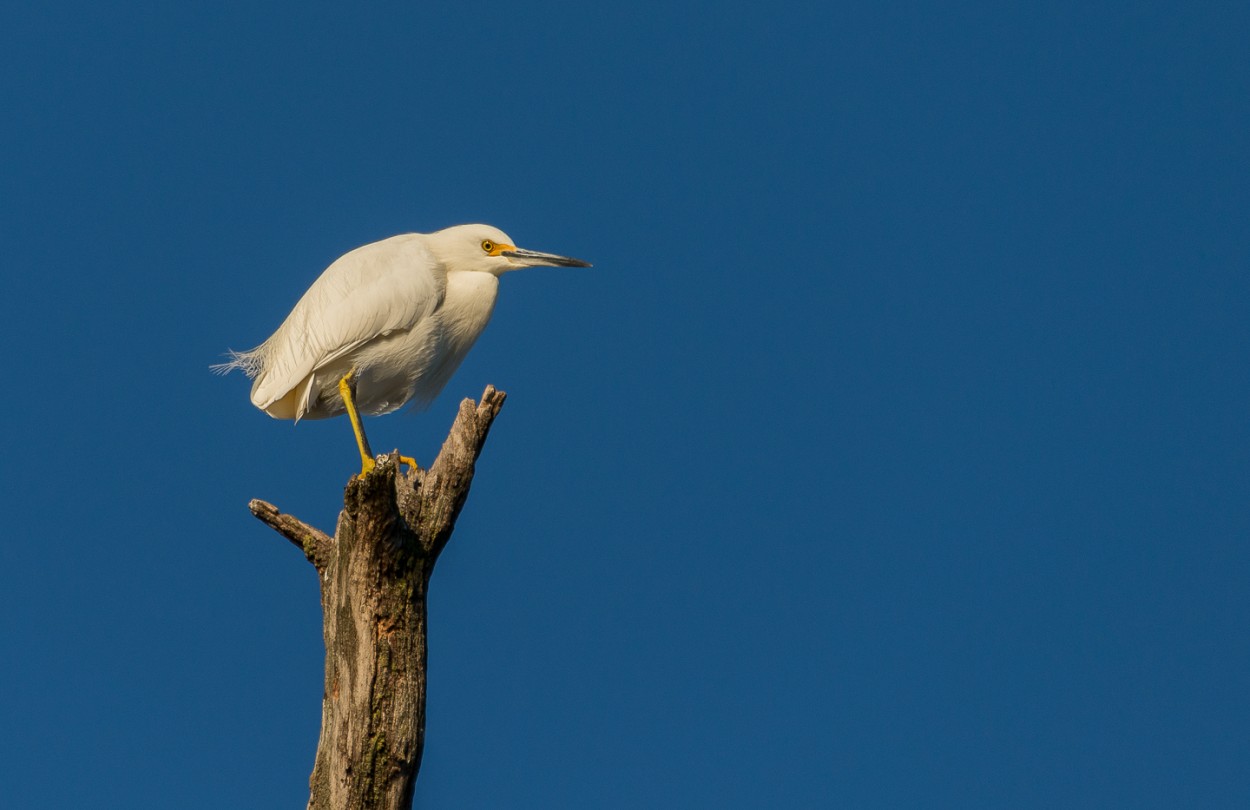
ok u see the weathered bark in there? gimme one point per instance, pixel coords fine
(374, 575)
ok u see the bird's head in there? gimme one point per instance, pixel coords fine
(485, 249)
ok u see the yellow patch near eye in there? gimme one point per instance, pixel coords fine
(500, 248)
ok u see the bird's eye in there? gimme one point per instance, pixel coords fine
(488, 245)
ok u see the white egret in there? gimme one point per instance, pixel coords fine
(384, 325)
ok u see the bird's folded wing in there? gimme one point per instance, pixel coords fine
(371, 291)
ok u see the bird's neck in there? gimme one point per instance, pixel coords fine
(468, 305)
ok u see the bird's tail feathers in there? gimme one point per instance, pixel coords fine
(249, 362)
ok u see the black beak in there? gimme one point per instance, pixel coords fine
(534, 258)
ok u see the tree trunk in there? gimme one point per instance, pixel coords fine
(374, 575)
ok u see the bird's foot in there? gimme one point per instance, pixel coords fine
(367, 465)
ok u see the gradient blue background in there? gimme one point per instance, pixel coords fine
(893, 454)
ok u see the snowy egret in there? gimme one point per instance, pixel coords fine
(384, 325)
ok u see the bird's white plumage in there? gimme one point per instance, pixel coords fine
(365, 295)
(399, 314)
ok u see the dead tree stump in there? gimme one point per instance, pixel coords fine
(374, 574)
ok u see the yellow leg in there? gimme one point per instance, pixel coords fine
(348, 392)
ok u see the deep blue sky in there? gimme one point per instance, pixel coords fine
(894, 452)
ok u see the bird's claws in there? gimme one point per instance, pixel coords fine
(368, 465)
